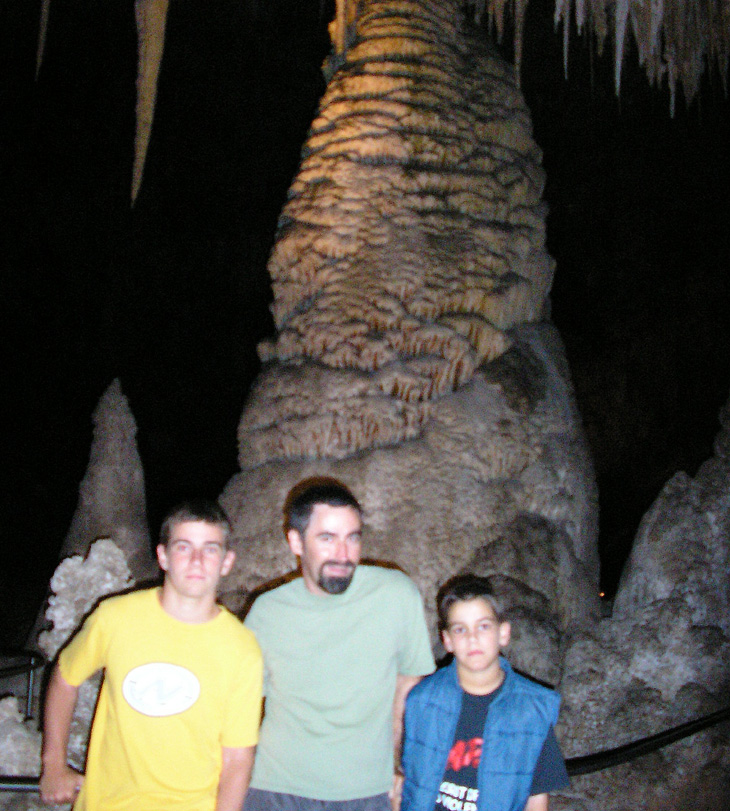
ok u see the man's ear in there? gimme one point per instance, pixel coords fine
(505, 633)
(446, 639)
(294, 539)
(162, 556)
(228, 560)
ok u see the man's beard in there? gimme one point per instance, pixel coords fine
(335, 585)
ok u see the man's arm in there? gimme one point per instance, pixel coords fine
(403, 686)
(59, 782)
(235, 777)
(537, 802)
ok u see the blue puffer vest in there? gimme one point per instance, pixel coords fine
(518, 720)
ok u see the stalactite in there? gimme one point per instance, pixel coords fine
(150, 16)
(42, 33)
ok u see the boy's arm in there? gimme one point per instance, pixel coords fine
(537, 802)
(235, 777)
(59, 783)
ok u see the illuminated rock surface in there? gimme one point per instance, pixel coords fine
(111, 495)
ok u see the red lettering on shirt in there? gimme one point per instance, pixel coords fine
(465, 753)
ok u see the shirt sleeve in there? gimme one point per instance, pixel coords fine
(416, 657)
(550, 773)
(87, 650)
(253, 623)
(243, 704)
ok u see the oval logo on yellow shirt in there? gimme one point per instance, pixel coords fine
(159, 689)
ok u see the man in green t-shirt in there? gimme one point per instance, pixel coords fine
(342, 647)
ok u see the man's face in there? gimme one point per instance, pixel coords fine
(330, 548)
(195, 558)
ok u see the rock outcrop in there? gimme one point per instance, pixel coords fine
(499, 482)
(664, 656)
(111, 495)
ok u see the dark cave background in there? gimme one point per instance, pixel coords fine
(172, 296)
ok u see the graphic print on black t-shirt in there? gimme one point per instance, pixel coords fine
(458, 790)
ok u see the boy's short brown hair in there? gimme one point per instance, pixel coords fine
(203, 509)
(462, 587)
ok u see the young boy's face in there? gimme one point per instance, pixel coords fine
(195, 558)
(474, 635)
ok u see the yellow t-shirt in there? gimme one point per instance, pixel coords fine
(174, 694)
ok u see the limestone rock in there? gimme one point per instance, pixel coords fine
(20, 741)
(413, 239)
(77, 584)
(664, 657)
(111, 495)
(20, 754)
(497, 483)
(681, 551)
(412, 359)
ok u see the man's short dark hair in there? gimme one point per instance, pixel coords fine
(466, 587)
(304, 496)
(200, 509)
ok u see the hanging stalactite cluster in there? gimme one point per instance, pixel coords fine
(675, 40)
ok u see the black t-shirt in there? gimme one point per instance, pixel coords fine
(458, 790)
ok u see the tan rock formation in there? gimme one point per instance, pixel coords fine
(498, 481)
(150, 17)
(412, 241)
(111, 495)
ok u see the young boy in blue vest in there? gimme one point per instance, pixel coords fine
(479, 737)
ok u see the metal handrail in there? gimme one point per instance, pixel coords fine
(585, 764)
(19, 784)
(33, 662)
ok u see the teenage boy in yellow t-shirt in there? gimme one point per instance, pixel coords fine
(177, 720)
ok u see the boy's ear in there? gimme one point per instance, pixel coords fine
(446, 639)
(162, 556)
(505, 632)
(294, 539)
(228, 560)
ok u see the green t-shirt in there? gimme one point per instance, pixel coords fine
(330, 668)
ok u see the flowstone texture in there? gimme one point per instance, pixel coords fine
(412, 242)
(413, 358)
(498, 482)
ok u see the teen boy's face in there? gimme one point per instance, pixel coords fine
(330, 549)
(474, 635)
(195, 558)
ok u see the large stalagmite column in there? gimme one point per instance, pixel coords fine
(413, 358)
